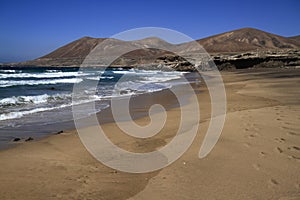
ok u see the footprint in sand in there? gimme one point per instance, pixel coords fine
(247, 145)
(83, 179)
(294, 158)
(294, 148)
(278, 149)
(255, 127)
(251, 136)
(251, 127)
(272, 182)
(280, 140)
(279, 113)
(262, 154)
(256, 166)
(254, 135)
(287, 123)
(293, 133)
(285, 128)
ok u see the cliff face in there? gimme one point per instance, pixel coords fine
(237, 41)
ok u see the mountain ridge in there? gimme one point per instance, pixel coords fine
(246, 39)
(240, 40)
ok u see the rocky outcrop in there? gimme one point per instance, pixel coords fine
(283, 58)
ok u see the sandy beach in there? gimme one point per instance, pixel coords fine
(256, 157)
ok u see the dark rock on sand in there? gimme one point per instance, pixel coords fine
(29, 139)
(16, 139)
(59, 132)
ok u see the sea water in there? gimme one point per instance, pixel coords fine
(34, 99)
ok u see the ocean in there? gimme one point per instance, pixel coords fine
(37, 101)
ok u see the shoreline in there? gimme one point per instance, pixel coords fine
(256, 156)
(139, 103)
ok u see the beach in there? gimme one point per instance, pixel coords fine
(256, 157)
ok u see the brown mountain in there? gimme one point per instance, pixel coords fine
(247, 39)
(76, 49)
(71, 54)
(241, 40)
(296, 38)
(75, 53)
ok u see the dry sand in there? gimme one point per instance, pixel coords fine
(257, 156)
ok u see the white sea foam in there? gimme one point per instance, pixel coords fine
(43, 75)
(38, 99)
(96, 78)
(124, 72)
(139, 81)
(53, 70)
(138, 87)
(8, 83)
(19, 114)
(7, 71)
(152, 79)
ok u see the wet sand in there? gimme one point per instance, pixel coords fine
(256, 157)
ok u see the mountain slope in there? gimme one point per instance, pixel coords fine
(296, 39)
(241, 40)
(246, 39)
(75, 49)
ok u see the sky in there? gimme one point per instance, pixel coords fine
(30, 29)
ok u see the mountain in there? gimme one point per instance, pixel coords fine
(247, 39)
(295, 38)
(76, 49)
(71, 54)
(241, 40)
(76, 52)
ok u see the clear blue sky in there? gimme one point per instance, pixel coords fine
(30, 29)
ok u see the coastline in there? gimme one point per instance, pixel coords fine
(257, 155)
(139, 106)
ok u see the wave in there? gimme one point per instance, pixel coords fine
(53, 70)
(38, 99)
(7, 71)
(19, 114)
(147, 72)
(43, 75)
(136, 71)
(138, 82)
(124, 72)
(138, 87)
(96, 78)
(159, 79)
(5, 83)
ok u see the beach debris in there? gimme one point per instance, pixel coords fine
(59, 132)
(16, 139)
(29, 139)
